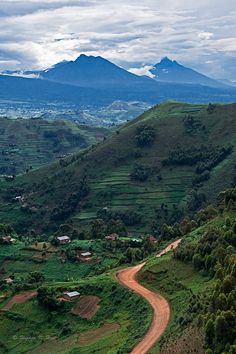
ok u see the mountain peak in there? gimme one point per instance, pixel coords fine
(167, 62)
(84, 58)
(168, 70)
(93, 71)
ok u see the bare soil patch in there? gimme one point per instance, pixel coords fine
(19, 299)
(86, 307)
(94, 335)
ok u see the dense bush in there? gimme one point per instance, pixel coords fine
(129, 217)
(214, 253)
(145, 135)
(140, 173)
(47, 297)
(69, 205)
(204, 157)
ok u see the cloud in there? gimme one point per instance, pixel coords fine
(37, 34)
(145, 70)
(205, 35)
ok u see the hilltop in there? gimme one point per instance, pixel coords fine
(170, 161)
(26, 144)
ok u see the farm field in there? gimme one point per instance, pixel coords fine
(19, 261)
(30, 143)
(30, 328)
(158, 182)
(118, 193)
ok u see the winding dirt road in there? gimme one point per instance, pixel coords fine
(161, 308)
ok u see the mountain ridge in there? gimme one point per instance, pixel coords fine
(168, 70)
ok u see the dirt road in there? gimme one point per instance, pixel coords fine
(161, 308)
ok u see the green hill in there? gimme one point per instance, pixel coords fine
(30, 143)
(199, 282)
(170, 161)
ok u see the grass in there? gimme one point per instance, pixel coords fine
(31, 143)
(16, 260)
(38, 327)
(177, 282)
(107, 167)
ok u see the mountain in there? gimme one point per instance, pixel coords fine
(90, 83)
(171, 71)
(102, 93)
(90, 71)
(157, 168)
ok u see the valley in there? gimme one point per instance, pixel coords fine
(117, 177)
(90, 226)
(142, 185)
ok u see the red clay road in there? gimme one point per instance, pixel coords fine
(161, 308)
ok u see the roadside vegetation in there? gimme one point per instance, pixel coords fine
(45, 324)
(199, 282)
(69, 226)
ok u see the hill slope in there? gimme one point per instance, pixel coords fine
(199, 282)
(167, 162)
(26, 144)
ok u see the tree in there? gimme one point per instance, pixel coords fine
(228, 284)
(220, 327)
(47, 297)
(98, 229)
(115, 226)
(36, 277)
(140, 173)
(145, 135)
(221, 302)
(148, 246)
(198, 261)
(209, 332)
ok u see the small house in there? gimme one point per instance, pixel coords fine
(112, 237)
(63, 240)
(71, 295)
(86, 254)
(9, 281)
(137, 240)
(18, 198)
(152, 239)
(8, 239)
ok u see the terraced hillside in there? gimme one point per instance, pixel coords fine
(27, 144)
(168, 162)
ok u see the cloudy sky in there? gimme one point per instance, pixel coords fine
(134, 34)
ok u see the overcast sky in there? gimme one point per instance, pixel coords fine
(133, 34)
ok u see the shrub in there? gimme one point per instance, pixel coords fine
(145, 135)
